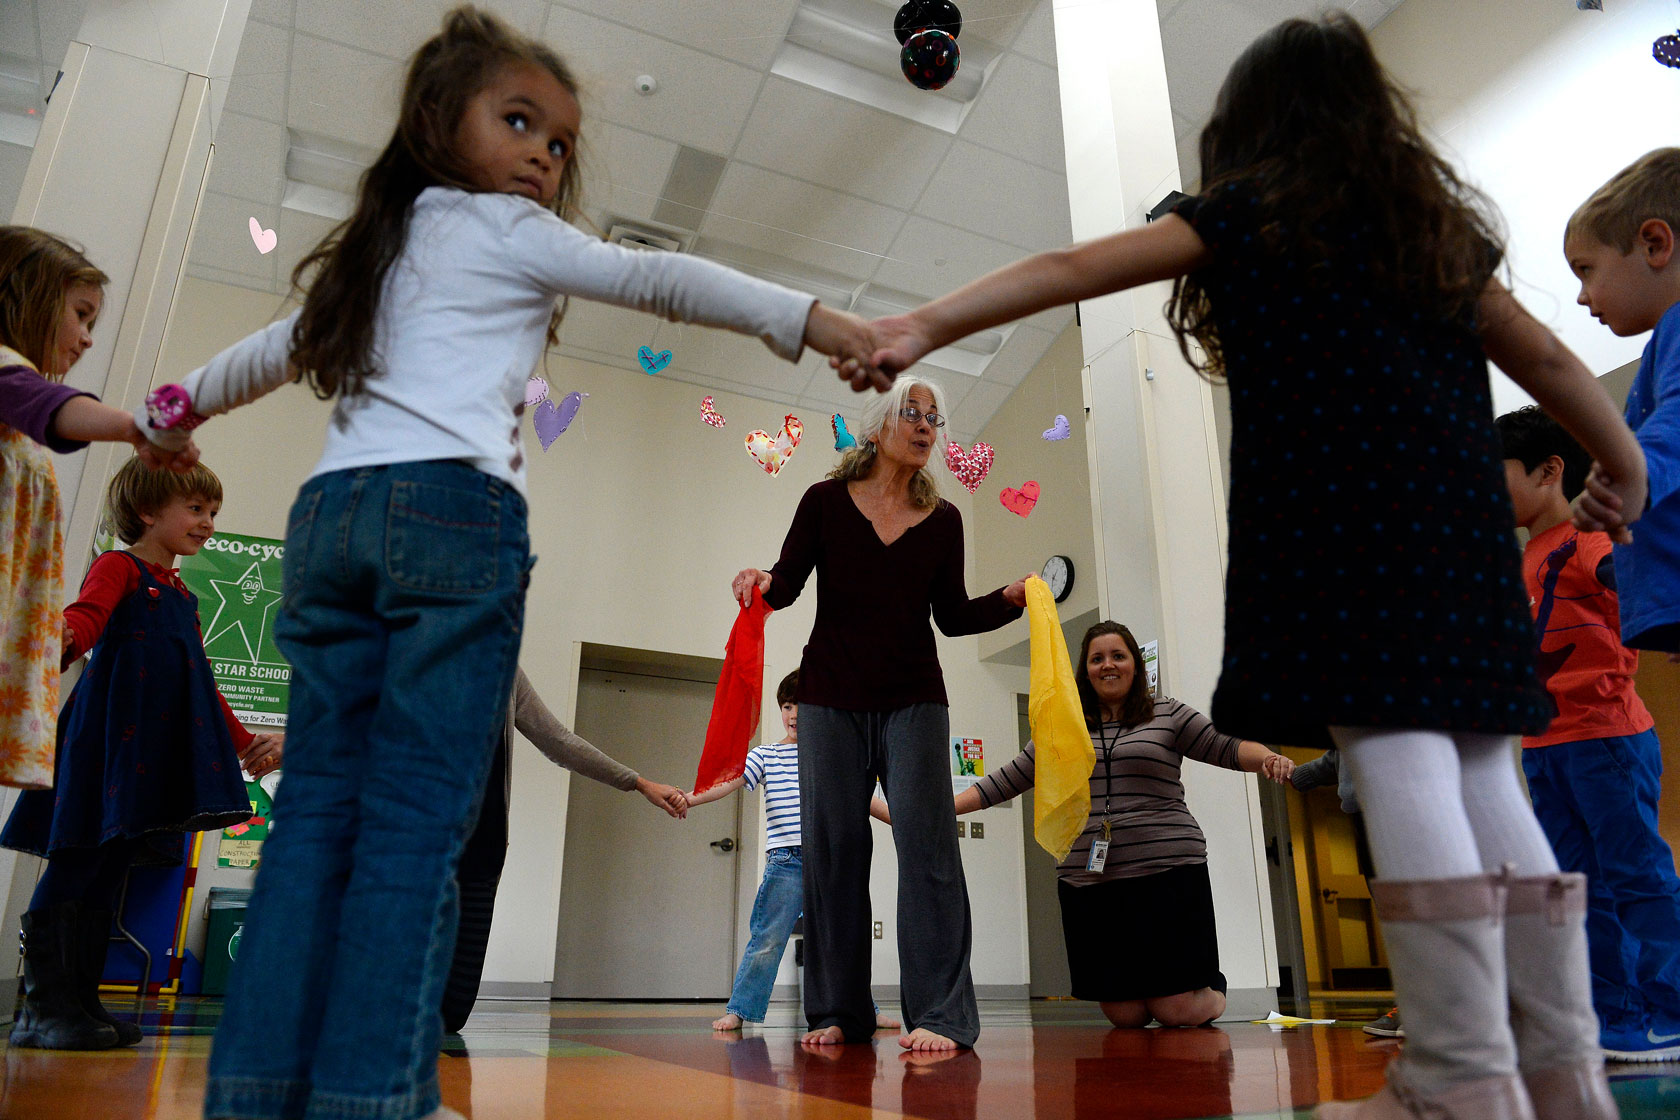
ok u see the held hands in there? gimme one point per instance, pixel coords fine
(745, 580)
(264, 754)
(846, 339)
(897, 342)
(1602, 507)
(157, 457)
(669, 798)
(1277, 767)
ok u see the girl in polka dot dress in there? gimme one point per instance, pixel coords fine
(1342, 277)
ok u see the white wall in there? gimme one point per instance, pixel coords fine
(1539, 104)
(640, 515)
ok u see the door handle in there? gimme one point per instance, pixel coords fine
(727, 844)
(1329, 895)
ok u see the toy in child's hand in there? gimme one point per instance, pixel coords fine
(969, 466)
(842, 438)
(168, 407)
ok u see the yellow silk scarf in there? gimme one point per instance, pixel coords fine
(1064, 757)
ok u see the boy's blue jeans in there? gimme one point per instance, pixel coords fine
(1596, 799)
(405, 597)
(780, 901)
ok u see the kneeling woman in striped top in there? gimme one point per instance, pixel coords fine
(1137, 910)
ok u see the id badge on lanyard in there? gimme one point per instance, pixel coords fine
(1099, 851)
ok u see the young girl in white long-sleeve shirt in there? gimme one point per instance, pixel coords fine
(407, 551)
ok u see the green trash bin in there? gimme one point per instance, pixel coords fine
(221, 942)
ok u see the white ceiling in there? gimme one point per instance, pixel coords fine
(816, 189)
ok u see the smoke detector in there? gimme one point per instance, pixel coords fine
(637, 236)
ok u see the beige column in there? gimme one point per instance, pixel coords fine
(118, 167)
(1157, 496)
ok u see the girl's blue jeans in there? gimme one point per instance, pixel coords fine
(405, 597)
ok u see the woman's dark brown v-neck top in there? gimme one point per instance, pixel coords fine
(872, 648)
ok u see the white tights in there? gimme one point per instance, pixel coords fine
(1442, 805)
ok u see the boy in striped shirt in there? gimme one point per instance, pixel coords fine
(774, 767)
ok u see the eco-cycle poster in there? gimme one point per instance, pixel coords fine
(237, 581)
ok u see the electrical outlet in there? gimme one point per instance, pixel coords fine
(962, 829)
(977, 830)
(879, 932)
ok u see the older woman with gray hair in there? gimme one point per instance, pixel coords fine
(888, 552)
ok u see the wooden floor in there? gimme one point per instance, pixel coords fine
(524, 1061)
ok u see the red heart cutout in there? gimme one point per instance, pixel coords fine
(969, 466)
(1020, 501)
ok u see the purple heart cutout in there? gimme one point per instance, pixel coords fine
(551, 419)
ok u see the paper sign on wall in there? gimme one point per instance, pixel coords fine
(237, 581)
(968, 763)
(1152, 665)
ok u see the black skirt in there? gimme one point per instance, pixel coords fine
(1141, 938)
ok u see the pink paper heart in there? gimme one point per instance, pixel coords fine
(551, 419)
(710, 415)
(969, 466)
(536, 392)
(773, 452)
(264, 238)
(1020, 501)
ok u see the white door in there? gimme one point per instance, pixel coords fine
(647, 903)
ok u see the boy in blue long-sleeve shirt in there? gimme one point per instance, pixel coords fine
(1621, 245)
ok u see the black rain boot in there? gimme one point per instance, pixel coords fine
(52, 1017)
(94, 933)
(472, 937)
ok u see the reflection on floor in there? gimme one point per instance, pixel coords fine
(524, 1061)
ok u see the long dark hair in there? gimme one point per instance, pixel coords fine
(332, 341)
(1309, 120)
(1139, 705)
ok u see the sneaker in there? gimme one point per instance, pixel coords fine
(1654, 1044)
(1386, 1027)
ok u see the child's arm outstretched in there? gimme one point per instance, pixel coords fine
(1535, 359)
(63, 419)
(716, 793)
(1161, 250)
(254, 366)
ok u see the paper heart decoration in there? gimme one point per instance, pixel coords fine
(773, 451)
(842, 438)
(969, 466)
(552, 419)
(1020, 501)
(652, 362)
(1058, 430)
(536, 392)
(265, 238)
(710, 414)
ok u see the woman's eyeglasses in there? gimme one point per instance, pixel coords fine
(910, 414)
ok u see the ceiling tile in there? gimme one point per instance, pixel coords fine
(1000, 197)
(250, 160)
(803, 132)
(623, 171)
(1037, 39)
(1020, 112)
(1019, 355)
(983, 400)
(914, 259)
(298, 234)
(806, 223)
(396, 28)
(996, 21)
(701, 101)
(279, 12)
(258, 87)
(746, 33)
(345, 94)
(222, 237)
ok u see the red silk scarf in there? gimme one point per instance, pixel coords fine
(735, 704)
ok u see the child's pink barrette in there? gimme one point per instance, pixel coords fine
(169, 407)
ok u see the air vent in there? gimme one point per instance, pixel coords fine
(644, 237)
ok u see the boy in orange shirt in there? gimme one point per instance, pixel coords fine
(1595, 773)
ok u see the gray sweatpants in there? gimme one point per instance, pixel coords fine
(841, 756)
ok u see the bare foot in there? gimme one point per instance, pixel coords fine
(729, 1022)
(828, 1036)
(923, 1039)
(885, 1022)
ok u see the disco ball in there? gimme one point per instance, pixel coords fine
(929, 59)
